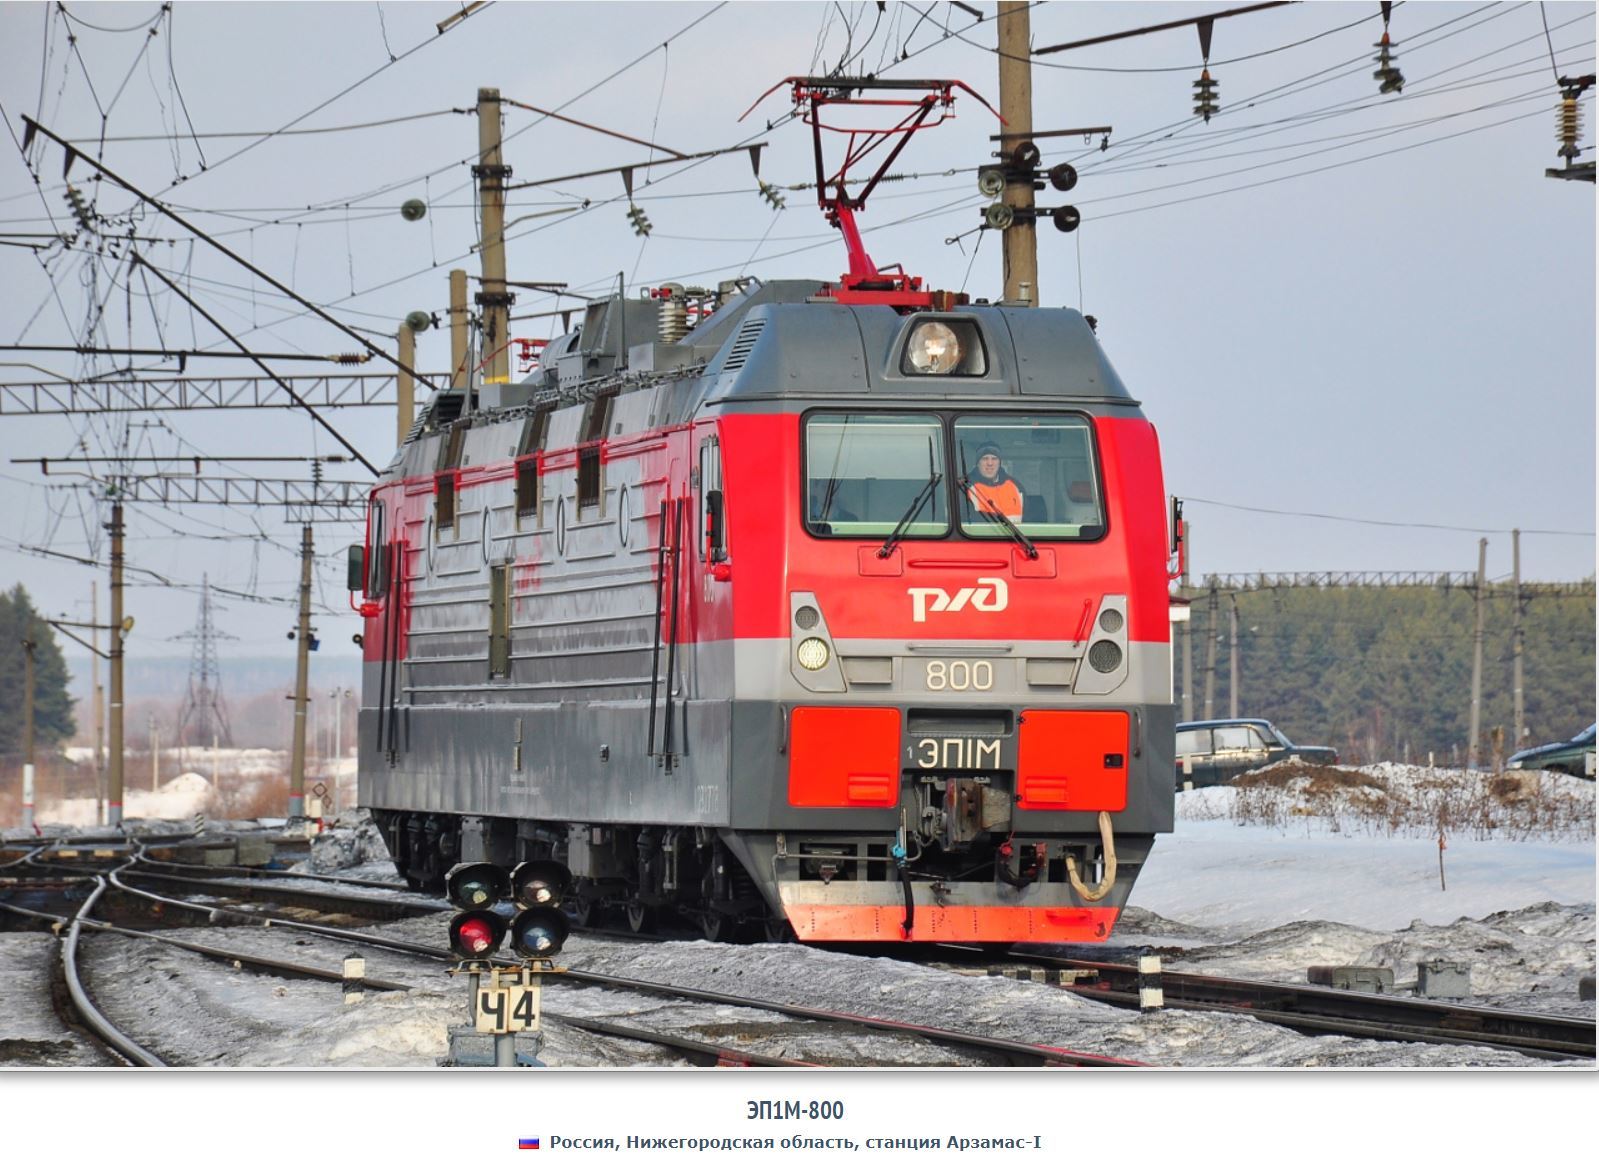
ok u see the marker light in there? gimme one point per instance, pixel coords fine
(812, 653)
(934, 349)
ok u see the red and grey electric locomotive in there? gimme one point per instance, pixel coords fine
(789, 608)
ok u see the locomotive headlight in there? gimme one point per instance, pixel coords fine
(812, 653)
(934, 349)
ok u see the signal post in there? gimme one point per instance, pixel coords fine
(505, 1001)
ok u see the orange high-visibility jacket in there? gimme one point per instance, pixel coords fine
(1004, 497)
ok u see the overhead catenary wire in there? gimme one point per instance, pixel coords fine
(1379, 523)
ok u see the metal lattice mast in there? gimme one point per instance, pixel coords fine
(204, 711)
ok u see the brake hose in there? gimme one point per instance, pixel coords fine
(1095, 894)
(909, 922)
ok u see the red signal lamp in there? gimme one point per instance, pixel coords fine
(539, 931)
(476, 934)
(475, 885)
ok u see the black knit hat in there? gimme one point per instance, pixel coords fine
(988, 449)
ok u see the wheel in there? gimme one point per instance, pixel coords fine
(640, 918)
(717, 926)
(779, 930)
(583, 911)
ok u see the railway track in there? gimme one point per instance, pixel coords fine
(136, 883)
(133, 880)
(1317, 1010)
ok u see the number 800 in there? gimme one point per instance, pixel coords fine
(960, 675)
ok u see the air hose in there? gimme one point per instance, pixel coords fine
(898, 851)
(1095, 894)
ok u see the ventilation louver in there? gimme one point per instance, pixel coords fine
(744, 343)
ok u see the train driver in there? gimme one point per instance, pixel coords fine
(993, 489)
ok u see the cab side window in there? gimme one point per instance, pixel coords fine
(377, 554)
(712, 531)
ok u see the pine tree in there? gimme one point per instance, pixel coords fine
(52, 706)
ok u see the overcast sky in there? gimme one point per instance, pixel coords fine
(1372, 315)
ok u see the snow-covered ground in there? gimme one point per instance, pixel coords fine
(1261, 880)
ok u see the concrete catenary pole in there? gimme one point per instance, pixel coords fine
(1016, 107)
(155, 753)
(493, 298)
(1188, 626)
(1517, 640)
(405, 385)
(1473, 740)
(1233, 672)
(27, 732)
(99, 701)
(113, 812)
(1210, 651)
(302, 670)
(460, 373)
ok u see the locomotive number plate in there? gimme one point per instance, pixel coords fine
(506, 1007)
(957, 675)
(961, 753)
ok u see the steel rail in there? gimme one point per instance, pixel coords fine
(366, 906)
(261, 963)
(713, 1055)
(1028, 1054)
(1331, 1010)
(202, 870)
(701, 1052)
(97, 1022)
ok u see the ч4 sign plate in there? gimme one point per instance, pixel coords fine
(506, 1003)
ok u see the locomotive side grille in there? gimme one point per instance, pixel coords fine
(744, 344)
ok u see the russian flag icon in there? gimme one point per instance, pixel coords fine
(527, 1142)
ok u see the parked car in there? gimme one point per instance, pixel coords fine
(1573, 757)
(1213, 752)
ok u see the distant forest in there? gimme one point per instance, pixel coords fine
(1385, 673)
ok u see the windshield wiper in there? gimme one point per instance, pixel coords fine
(986, 508)
(910, 514)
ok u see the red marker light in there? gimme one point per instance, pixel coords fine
(370, 608)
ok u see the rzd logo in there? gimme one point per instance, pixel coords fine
(989, 596)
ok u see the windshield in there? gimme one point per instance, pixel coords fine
(1037, 471)
(863, 473)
